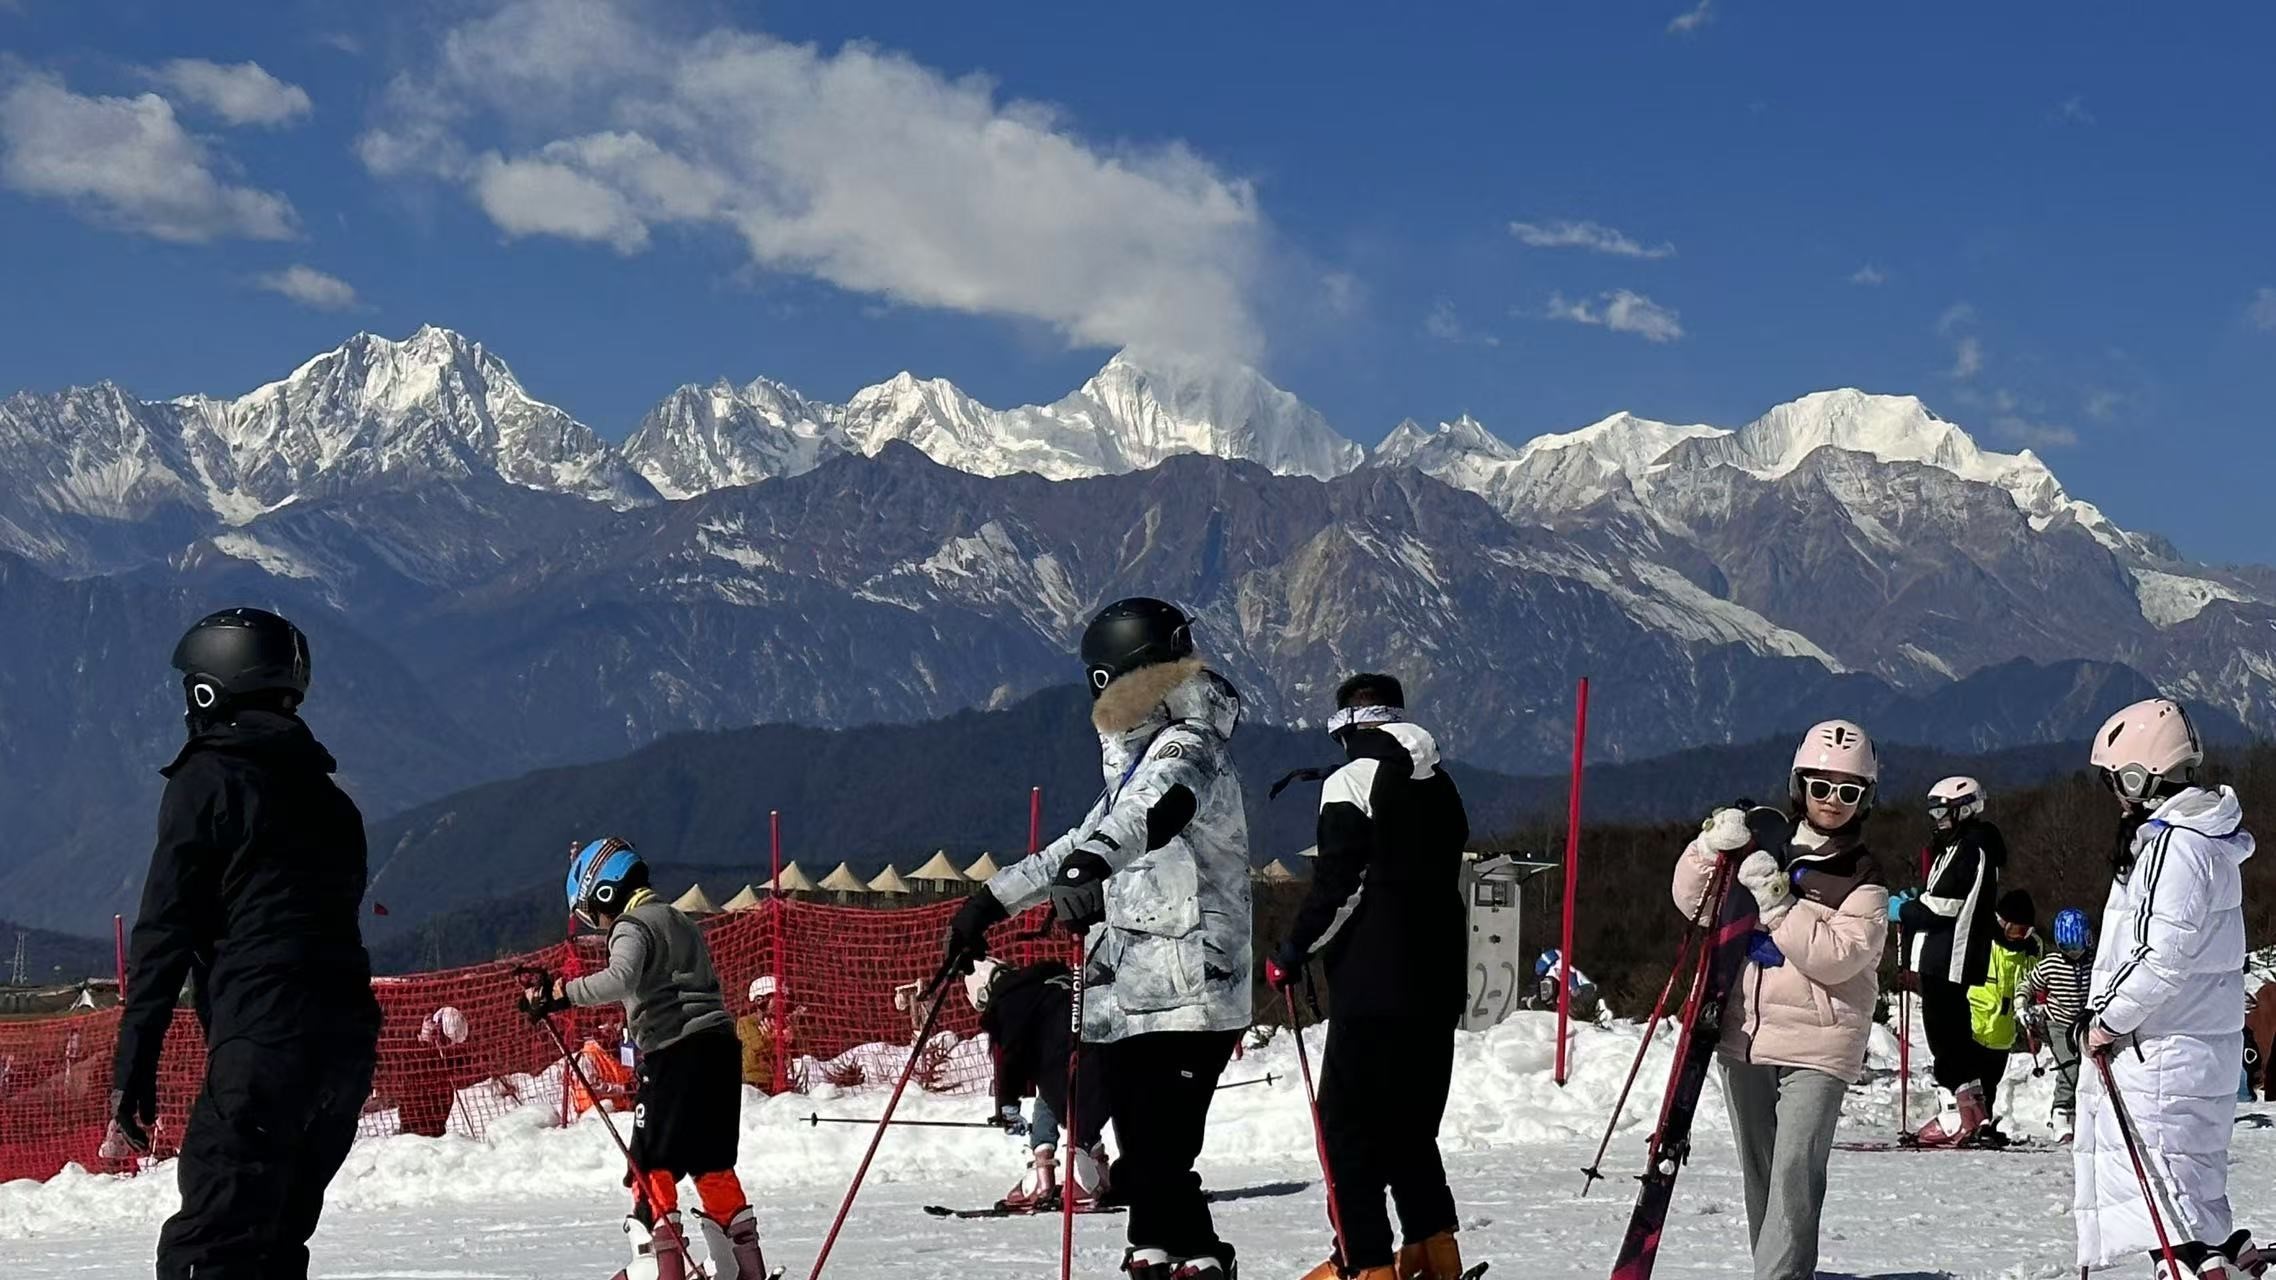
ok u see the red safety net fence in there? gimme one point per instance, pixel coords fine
(835, 1007)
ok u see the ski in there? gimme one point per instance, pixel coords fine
(2021, 1147)
(1006, 1211)
(1733, 910)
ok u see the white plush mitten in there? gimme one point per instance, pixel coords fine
(1766, 880)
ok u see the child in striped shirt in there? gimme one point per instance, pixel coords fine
(2055, 1001)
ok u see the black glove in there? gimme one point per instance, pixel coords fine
(968, 931)
(542, 994)
(1078, 892)
(133, 1110)
(1285, 967)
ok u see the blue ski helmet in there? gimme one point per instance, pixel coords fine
(1547, 961)
(603, 875)
(2071, 930)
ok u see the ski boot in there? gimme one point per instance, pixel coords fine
(660, 1253)
(2066, 1128)
(1090, 1178)
(1987, 1137)
(1147, 1264)
(1436, 1257)
(1039, 1190)
(1962, 1115)
(1331, 1270)
(2244, 1255)
(734, 1246)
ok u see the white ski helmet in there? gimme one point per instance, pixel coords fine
(446, 1025)
(761, 988)
(2149, 743)
(979, 984)
(1835, 746)
(1954, 801)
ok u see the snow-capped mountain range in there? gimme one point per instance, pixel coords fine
(492, 586)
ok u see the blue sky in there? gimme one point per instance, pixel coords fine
(2055, 226)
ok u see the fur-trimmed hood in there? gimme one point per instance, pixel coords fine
(1142, 701)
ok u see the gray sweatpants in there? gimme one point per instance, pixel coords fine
(2064, 1050)
(1783, 1120)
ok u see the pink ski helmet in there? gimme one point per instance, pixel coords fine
(2148, 743)
(1835, 746)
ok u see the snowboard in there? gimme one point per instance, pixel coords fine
(1733, 912)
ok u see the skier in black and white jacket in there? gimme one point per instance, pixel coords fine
(1948, 934)
(1385, 917)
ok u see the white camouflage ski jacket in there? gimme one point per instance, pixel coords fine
(1174, 952)
(2169, 969)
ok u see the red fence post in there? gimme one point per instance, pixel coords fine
(1034, 820)
(1572, 878)
(777, 1004)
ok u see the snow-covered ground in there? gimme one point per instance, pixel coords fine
(543, 1202)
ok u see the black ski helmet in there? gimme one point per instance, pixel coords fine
(242, 653)
(1128, 634)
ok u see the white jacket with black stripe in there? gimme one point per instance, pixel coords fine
(2169, 971)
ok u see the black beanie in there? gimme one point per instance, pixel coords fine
(2015, 907)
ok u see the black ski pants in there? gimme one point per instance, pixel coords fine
(1952, 1046)
(270, 1128)
(1159, 1087)
(1383, 1092)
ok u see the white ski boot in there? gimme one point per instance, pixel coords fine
(659, 1254)
(733, 1246)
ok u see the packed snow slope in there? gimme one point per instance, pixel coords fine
(539, 1201)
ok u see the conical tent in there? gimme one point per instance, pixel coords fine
(843, 880)
(1276, 871)
(696, 903)
(982, 869)
(794, 880)
(744, 900)
(938, 872)
(889, 881)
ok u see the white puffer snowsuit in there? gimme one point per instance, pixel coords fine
(1174, 952)
(2169, 969)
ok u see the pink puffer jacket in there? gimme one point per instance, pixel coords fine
(1816, 1009)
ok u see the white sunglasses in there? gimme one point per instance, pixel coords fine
(1849, 793)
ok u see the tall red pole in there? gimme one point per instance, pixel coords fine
(777, 1005)
(1034, 819)
(1572, 878)
(118, 938)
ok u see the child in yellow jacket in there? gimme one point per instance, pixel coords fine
(1995, 1004)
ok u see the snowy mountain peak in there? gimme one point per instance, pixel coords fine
(703, 438)
(1145, 408)
(1624, 441)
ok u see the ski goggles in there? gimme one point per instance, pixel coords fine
(2131, 782)
(1822, 789)
(1349, 718)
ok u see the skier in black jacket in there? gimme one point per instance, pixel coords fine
(1947, 931)
(253, 894)
(1026, 1012)
(1385, 916)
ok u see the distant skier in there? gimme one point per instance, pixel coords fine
(2167, 1009)
(1548, 967)
(1948, 931)
(1797, 1019)
(1995, 1005)
(688, 1102)
(254, 892)
(1384, 914)
(1025, 1012)
(2055, 1000)
(1157, 878)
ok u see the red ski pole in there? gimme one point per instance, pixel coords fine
(2134, 1152)
(1659, 1010)
(908, 1069)
(1073, 1142)
(1319, 1133)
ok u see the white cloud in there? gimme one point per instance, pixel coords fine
(858, 166)
(1869, 275)
(1621, 311)
(127, 162)
(1956, 316)
(2072, 110)
(1445, 324)
(2261, 311)
(1690, 20)
(240, 94)
(309, 287)
(2101, 404)
(1967, 357)
(2016, 429)
(1593, 236)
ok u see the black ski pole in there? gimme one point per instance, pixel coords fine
(1266, 1078)
(924, 1033)
(1594, 1171)
(1074, 1139)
